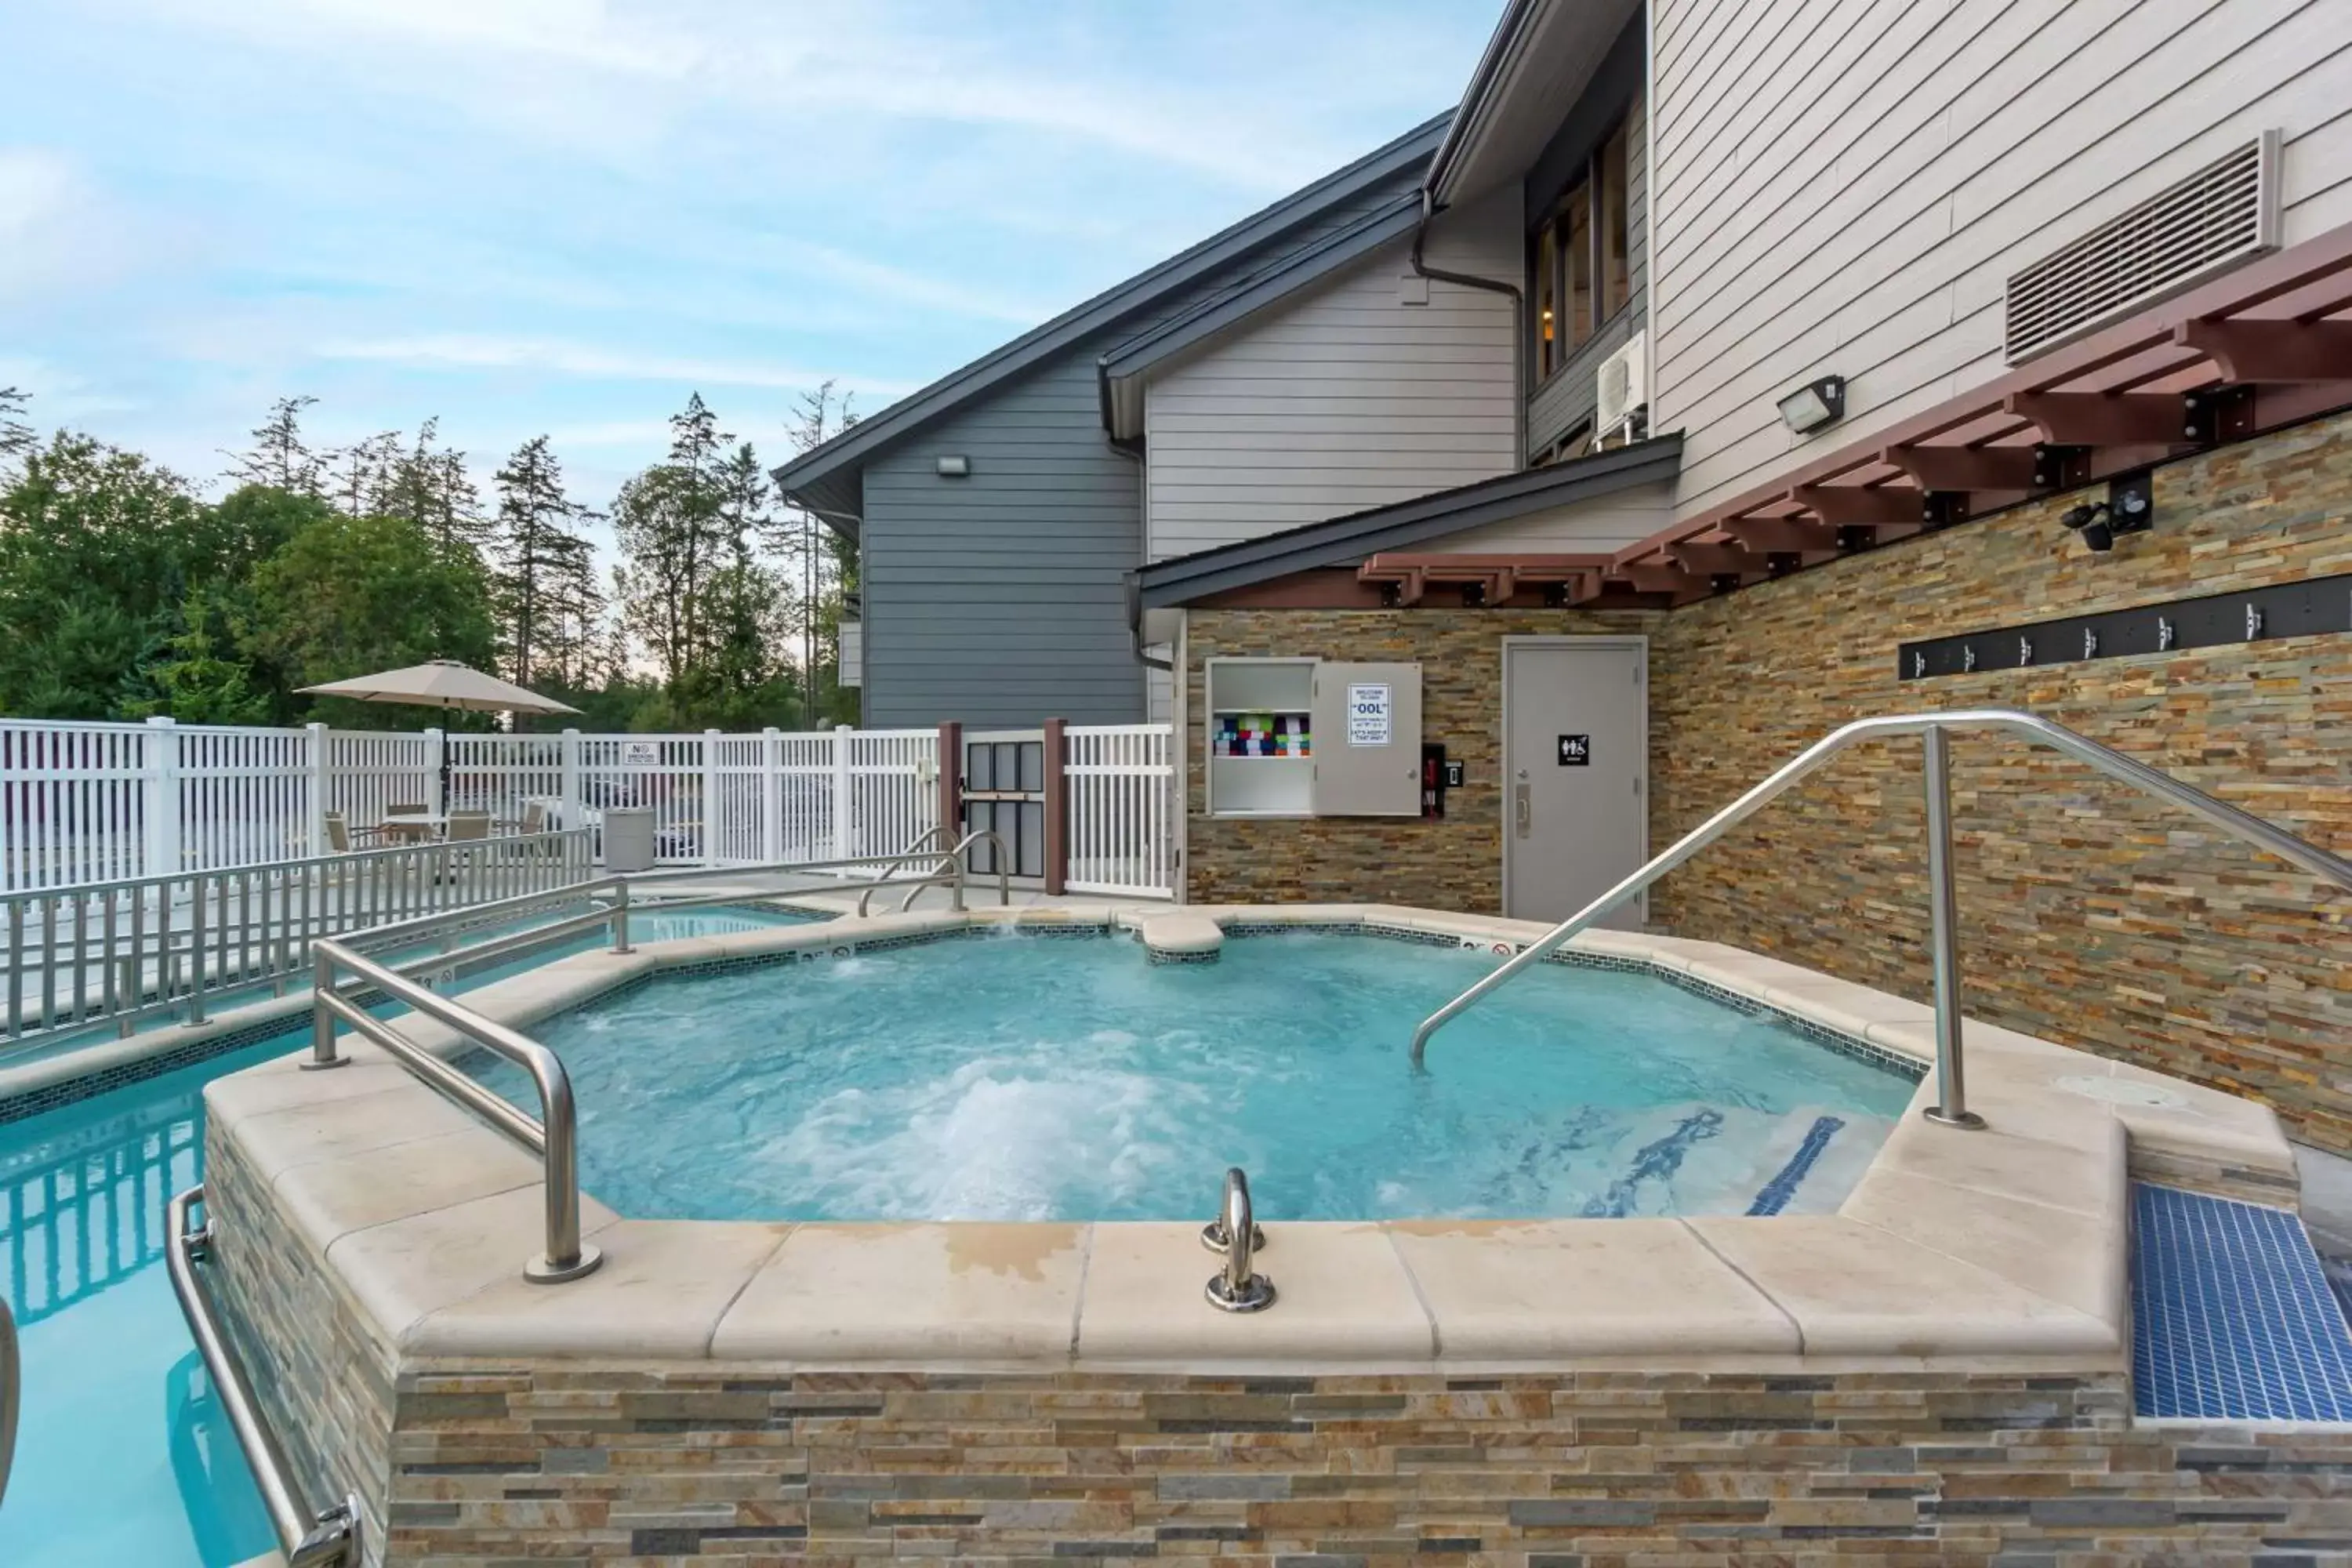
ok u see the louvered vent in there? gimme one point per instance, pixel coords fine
(2215, 218)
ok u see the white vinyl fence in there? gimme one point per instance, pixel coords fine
(1121, 786)
(83, 803)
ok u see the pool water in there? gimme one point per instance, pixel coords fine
(1068, 1079)
(122, 1454)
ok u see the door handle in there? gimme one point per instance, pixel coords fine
(1522, 809)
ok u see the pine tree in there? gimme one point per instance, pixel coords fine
(547, 598)
(361, 475)
(827, 560)
(16, 436)
(433, 489)
(671, 524)
(280, 458)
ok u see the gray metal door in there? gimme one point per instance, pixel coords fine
(1004, 793)
(1575, 775)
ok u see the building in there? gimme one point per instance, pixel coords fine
(1699, 386)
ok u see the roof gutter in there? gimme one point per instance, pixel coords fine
(1492, 286)
(1471, 116)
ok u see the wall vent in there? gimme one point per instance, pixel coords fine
(1621, 388)
(2224, 213)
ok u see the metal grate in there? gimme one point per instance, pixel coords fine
(2217, 217)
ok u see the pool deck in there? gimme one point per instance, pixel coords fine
(2002, 1248)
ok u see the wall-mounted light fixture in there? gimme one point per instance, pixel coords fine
(1814, 406)
(2130, 507)
(954, 467)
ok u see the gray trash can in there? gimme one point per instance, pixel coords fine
(629, 838)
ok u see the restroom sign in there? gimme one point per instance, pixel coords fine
(1575, 751)
(1368, 715)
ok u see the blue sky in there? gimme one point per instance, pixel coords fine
(562, 215)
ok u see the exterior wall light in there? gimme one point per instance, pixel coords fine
(955, 466)
(1813, 408)
(2130, 507)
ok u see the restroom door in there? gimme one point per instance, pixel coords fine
(1575, 775)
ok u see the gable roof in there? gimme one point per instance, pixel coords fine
(1345, 541)
(823, 477)
(1126, 367)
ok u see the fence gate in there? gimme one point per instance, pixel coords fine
(1004, 793)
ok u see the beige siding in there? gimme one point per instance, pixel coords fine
(1842, 186)
(1346, 398)
(1606, 523)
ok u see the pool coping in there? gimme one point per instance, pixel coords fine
(1999, 1249)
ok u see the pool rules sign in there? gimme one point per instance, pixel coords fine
(1371, 713)
(1367, 748)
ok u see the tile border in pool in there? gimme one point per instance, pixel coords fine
(2005, 1248)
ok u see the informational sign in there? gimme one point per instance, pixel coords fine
(640, 751)
(1368, 715)
(1456, 775)
(1575, 751)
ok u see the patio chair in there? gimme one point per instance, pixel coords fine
(342, 838)
(463, 824)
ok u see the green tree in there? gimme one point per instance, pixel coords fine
(670, 524)
(549, 602)
(347, 596)
(16, 436)
(429, 485)
(99, 551)
(203, 680)
(279, 457)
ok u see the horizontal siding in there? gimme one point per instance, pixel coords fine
(1845, 187)
(1566, 398)
(1001, 599)
(1604, 523)
(1345, 399)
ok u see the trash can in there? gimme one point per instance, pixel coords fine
(629, 838)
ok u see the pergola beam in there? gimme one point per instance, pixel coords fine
(2272, 353)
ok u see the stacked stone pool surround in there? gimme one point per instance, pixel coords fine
(1944, 1360)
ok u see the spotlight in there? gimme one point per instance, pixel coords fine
(1811, 407)
(2088, 520)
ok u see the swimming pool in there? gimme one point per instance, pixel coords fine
(1021, 1078)
(122, 1455)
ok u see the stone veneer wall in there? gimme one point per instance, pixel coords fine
(1454, 862)
(2088, 917)
(465, 1464)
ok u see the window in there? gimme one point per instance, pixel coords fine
(1581, 255)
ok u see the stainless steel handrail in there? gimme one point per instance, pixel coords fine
(327, 1540)
(1951, 1107)
(951, 871)
(12, 1378)
(554, 1138)
(1238, 1287)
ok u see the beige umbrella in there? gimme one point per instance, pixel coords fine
(443, 683)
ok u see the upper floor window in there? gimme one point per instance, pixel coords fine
(1581, 256)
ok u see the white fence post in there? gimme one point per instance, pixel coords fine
(569, 789)
(772, 796)
(844, 840)
(314, 827)
(710, 802)
(162, 807)
(437, 755)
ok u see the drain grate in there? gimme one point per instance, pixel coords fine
(2231, 1314)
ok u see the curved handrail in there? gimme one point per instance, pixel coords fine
(12, 1376)
(554, 1138)
(1933, 728)
(328, 1540)
(951, 870)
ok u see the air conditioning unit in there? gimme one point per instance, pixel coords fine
(2224, 213)
(1622, 395)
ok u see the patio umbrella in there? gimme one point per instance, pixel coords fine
(442, 683)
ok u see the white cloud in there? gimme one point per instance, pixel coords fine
(471, 351)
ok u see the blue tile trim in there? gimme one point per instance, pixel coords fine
(2231, 1315)
(1774, 1196)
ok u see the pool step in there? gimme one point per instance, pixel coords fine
(2232, 1317)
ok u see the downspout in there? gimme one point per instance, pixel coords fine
(1518, 320)
(1134, 628)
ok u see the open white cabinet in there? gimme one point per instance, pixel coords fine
(1304, 737)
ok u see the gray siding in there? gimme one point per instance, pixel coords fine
(1001, 599)
(1606, 523)
(1346, 398)
(1844, 185)
(1565, 399)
